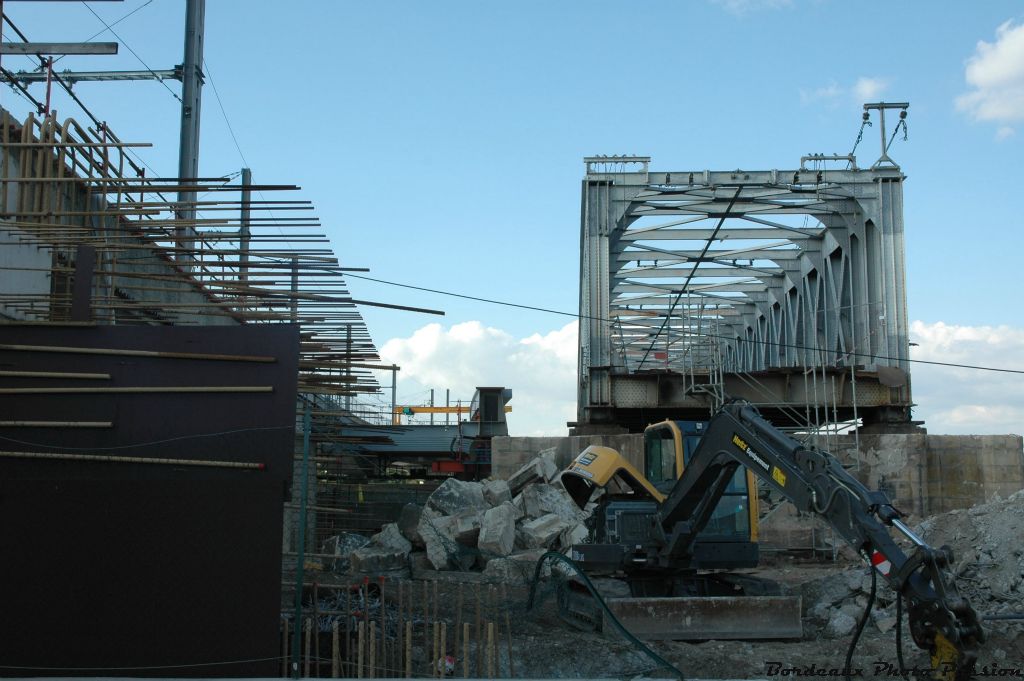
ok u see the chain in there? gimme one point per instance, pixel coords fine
(865, 122)
(901, 124)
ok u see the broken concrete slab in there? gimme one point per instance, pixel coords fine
(577, 534)
(375, 559)
(497, 492)
(391, 537)
(498, 531)
(439, 539)
(443, 551)
(408, 522)
(454, 496)
(467, 527)
(539, 500)
(541, 533)
(341, 547)
(541, 468)
(549, 463)
(517, 568)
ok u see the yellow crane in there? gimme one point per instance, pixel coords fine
(401, 410)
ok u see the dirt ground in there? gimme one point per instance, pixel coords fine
(547, 646)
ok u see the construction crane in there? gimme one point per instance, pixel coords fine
(401, 410)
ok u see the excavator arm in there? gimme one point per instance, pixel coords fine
(941, 621)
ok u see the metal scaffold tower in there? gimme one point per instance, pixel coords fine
(700, 284)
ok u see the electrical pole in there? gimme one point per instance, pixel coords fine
(191, 99)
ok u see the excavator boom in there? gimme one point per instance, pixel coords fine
(941, 621)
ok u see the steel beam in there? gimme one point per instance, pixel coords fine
(805, 270)
(58, 48)
(72, 77)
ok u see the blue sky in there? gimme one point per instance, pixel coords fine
(442, 142)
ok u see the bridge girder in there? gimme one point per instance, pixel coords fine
(741, 272)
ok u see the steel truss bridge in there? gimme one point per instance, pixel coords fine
(786, 287)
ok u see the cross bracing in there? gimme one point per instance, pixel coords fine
(738, 271)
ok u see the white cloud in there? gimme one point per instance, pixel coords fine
(742, 7)
(1005, 132)
(868, 89)
(996, 73)
(540, 370)
(968, 401)
(828, 92)
(864, 89)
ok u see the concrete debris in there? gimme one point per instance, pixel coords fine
(540, 500)
(467, 522)
(390, 537)
(988, 562)
(884, 620)
(549, 464)
(341, 547)
(542, 468)
(374, 559)
(467, 527)
(542, 532)
(408, 524)
(438, 538)
(498, 530)
(578, 534)
(517, 568)
(987, 551)
(497, 492)
(454, 496)
(840, 625)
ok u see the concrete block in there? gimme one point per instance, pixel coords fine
(466, 529)
(391, 537)
(376, 559)
(341, 547)
(543, 531)
(408, 523)
(455, 495)
(498, 530)
(497, 492)
(539, 500)
(531, 473)
(438, 532)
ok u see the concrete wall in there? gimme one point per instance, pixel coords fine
(508, 454)
(923, 474)
(964, 469)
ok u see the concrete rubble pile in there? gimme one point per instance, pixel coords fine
(497, 526)
(989, 563)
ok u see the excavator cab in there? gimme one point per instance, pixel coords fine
(730, 538)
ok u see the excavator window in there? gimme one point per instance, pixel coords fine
(731, 517)
(660, 457)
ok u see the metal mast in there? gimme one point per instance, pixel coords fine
(191, 99)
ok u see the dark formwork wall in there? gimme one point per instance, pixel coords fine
(114, 567)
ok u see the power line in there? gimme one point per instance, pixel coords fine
(161, 80)
(216, 93)
(97, 35)
(685, 333)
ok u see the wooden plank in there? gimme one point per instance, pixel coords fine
(54, 374)
(140, 389)
(56, 424)
(135, 353)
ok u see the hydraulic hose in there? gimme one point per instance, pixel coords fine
(860, 625)
(555, 556)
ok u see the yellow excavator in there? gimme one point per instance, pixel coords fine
(667, 536)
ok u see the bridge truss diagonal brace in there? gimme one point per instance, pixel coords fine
(767, 293)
